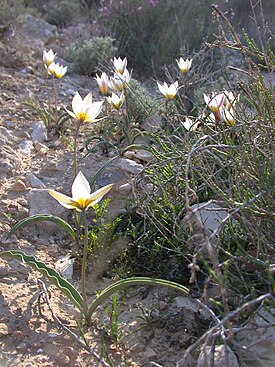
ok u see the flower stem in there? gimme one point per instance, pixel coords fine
(55, 99)
(75, 148)
(84, 264)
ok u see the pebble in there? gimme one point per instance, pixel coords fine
(18, 186)
(39, 132)
(137, 347)
(4, 270)
(62, 360)
(22, 347)
(18, 335)
(25, 147)
(125, 189)
(34, 182)
(130, 166)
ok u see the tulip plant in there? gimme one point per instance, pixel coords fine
(83, 111)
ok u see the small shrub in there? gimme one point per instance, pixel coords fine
(93, 55)
(140, 105)
(152, 32)
(63, 13)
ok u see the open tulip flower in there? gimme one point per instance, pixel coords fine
(81, 199)
(120, 65)
(51, 68)
(120, 81)
(102, 82)
(116, 101)
(116, 83)
(48, 57)
(60, 70)
(215, 101)
(184, 65)
(191, 125)
(168, 92)
(85, 110)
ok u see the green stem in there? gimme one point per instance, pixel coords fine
(75, 174)
(55, 99)
(49, 101)
(75, 148)
(84, 264)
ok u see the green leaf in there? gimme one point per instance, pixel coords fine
(124, 283)
(42, 218)
(53, 276)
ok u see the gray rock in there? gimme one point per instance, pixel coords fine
(129, 166)
(6, 133)
(37, 28)
(125, 189)
(223, 357)
(70, 92)
(256, 342)
(39, 132)
(26, 147)
(34, 182)
(18, 186)
(65, 266)
(40, 202)
(206, 216)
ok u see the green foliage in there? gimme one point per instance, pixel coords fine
(64, 13)
(140, 105)
(92, 55)
(9, 10)
(42, 218)
(50, 117)
(153, 32)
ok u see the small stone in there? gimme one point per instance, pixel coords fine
(6, 133)
(4, 330)
(18, 186)
(4, 270)
(138, 348)
(148, 355)
(39, 132)
(65, 266)
(41, 148)
(163, 305)
(223, 356)
(62, 360)
(34, 182)
(70, 352)
(25, 147)
(130, 166)
(125, 189)
(24, 134)
(18, 335)
(70, 92)
(22, 347)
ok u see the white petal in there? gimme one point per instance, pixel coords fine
(98, 195)
(87, 102)
(77, 103)
(162, 89)
(64, 200)
(81, 187)
(94, 111)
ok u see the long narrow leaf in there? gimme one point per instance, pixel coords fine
(42, 218)
(53, 276)
(124, 283)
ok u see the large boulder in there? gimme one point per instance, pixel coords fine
(36, 28)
